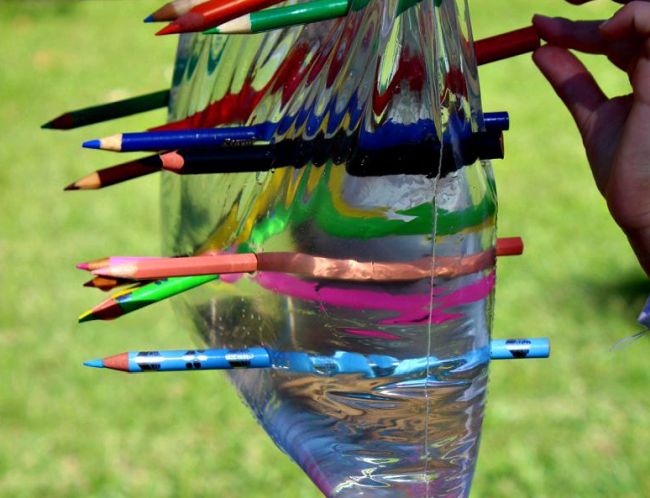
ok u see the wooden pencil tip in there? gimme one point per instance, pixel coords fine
(117, 362)
(83, 266)
(48, 126)
(89, 182)
(90, 283)
(150, 18)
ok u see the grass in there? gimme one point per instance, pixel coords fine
(573, 426)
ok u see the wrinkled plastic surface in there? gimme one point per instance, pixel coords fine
(409, 435)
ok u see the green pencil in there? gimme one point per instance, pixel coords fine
(265, 20)
(133, 299)
(282, 17)
(112, 110)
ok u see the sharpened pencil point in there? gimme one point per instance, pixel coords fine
(48, 126)
(86, 317)
(72, 186)
(83, 266)
(170, 29)
(149, 18)
(92, 144)
(98, 363)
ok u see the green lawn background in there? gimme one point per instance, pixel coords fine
(572, 426)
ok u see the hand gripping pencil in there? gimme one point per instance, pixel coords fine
(340, 363)
(106, 112)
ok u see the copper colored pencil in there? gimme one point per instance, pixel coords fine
(117, 174)
(213, 13)
(178, 267)
(173, 10)
(96, 264)
(307, 265)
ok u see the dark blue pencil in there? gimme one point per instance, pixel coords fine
(181, 139)
(340, 363)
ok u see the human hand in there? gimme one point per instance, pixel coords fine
(615, 132)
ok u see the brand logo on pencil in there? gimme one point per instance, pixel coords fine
(519, 348)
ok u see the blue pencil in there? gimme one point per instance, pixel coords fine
(388, 134)
(340, 363)
(179, 139)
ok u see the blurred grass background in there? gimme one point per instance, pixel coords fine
(576, 425)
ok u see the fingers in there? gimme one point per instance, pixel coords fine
(580, 35)
(630, 22)
(572, 82)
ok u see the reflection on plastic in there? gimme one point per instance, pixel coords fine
(356, 77)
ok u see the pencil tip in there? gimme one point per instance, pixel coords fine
(48, 126)
(72, 186)
(92, 144)
(86, 317)
(170, 29)
(90, 283)
(98, 363)
(149, 18)
(83, 266)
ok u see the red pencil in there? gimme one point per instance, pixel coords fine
(506, 45)
(212, 13)
(510, 246)
(117, 174)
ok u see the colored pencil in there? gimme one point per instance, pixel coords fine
(508, 349)
(107, 283)
(292, 15)
(506, 45)
(509, 246)
(213, 13)
(311, 266)
(117, 174)
(340, 363)
(112, 110)
(168, 140)
(245, 158)
(173, 10)
(96, 264)
(130, 300)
